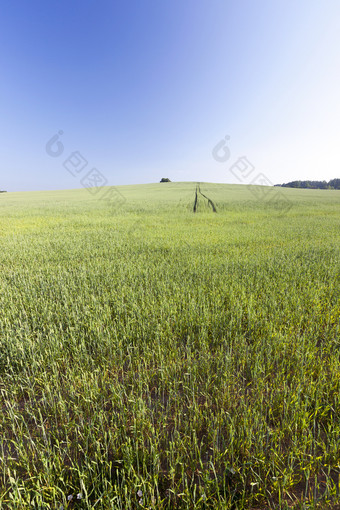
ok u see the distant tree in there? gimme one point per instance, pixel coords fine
(333, 184)
(293, 184)
(164, 179)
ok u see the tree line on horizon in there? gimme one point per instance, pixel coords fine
(332, 184)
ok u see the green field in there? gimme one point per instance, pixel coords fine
(151, 357)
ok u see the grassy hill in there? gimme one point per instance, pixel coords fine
(152, 357)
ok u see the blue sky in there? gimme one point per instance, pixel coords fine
(145, 89)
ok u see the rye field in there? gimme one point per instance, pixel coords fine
(156, 358)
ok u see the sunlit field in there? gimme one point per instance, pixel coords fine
(153, 357)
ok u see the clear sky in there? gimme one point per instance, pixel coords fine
(145, 89)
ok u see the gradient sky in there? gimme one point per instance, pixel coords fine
(145, 89)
